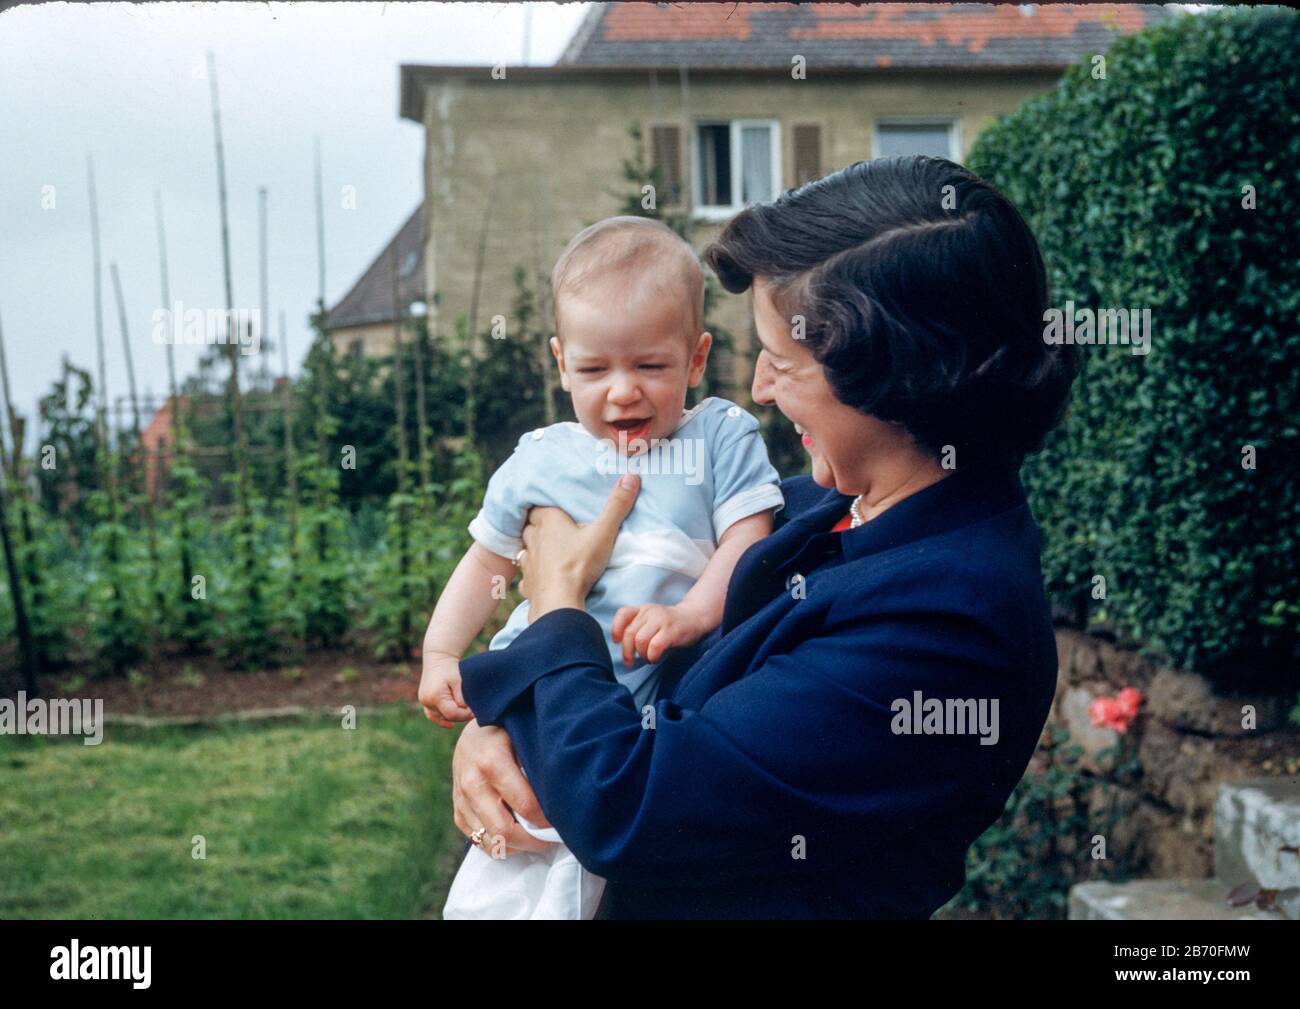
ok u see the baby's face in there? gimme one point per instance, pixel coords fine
(626, 362)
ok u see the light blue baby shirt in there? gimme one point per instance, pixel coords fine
(709, 473)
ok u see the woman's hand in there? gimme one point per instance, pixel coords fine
(486, 784)
(562, 560)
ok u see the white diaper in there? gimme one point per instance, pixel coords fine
(526, 885)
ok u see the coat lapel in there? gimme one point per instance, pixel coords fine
(803, 543)
(762, 570)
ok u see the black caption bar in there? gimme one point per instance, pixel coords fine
(142, 959)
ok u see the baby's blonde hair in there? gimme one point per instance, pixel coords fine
(619, 245)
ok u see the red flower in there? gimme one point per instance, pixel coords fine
(1104, 711)
(1116, 712)
(1130, 699)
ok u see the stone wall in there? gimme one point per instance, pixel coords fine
(1187, 740)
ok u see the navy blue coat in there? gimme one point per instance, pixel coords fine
(778, 779)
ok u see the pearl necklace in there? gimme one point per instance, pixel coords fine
(856, 516)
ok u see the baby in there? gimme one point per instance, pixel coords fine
(628, 296)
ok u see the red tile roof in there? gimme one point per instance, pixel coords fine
(851, 35)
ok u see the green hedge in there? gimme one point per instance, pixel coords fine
(1133, 185)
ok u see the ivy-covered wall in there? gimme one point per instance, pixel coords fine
(1168, 179)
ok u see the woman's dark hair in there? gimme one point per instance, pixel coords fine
(922, 292)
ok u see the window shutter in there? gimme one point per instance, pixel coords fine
(807, 152)
(666, 156)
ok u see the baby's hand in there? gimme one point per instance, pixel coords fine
(652, 629)
(440, 691)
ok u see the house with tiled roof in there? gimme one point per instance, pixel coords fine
(365, 318)
(732, 104)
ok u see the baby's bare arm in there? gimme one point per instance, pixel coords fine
(708, 595)
(468, 600)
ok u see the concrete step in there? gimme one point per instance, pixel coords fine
(1160, 900)
(1254, 823)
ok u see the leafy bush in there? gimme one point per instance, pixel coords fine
(247, 637)
(319, 597)
(1139, 187)
(118, 614)
(425, 538)
(53, 583)
(1025, 863)
(188, 618)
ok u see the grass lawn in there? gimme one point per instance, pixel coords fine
(301, 819)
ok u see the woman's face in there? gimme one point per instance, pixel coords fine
(839, 439)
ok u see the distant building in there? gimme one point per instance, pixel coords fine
(158, 440)
(363, 321)
(734, 104)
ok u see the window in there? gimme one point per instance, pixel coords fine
(715, 166)
(937, 137)
(736, 163)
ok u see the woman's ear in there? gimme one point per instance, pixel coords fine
(558, 351)
(699, 358)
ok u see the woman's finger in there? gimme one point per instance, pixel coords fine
(502, 828)
(518, 795)
(481, 806)
(469, 822)
(617, 507)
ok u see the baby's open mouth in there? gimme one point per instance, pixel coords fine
(633, 431)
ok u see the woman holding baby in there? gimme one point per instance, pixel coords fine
(801, 760)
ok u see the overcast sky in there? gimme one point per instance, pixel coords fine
(124, 82)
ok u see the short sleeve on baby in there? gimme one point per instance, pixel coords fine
(744, 480)
(499, 523)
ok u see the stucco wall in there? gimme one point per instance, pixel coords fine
(376, 340)
(555, 148)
